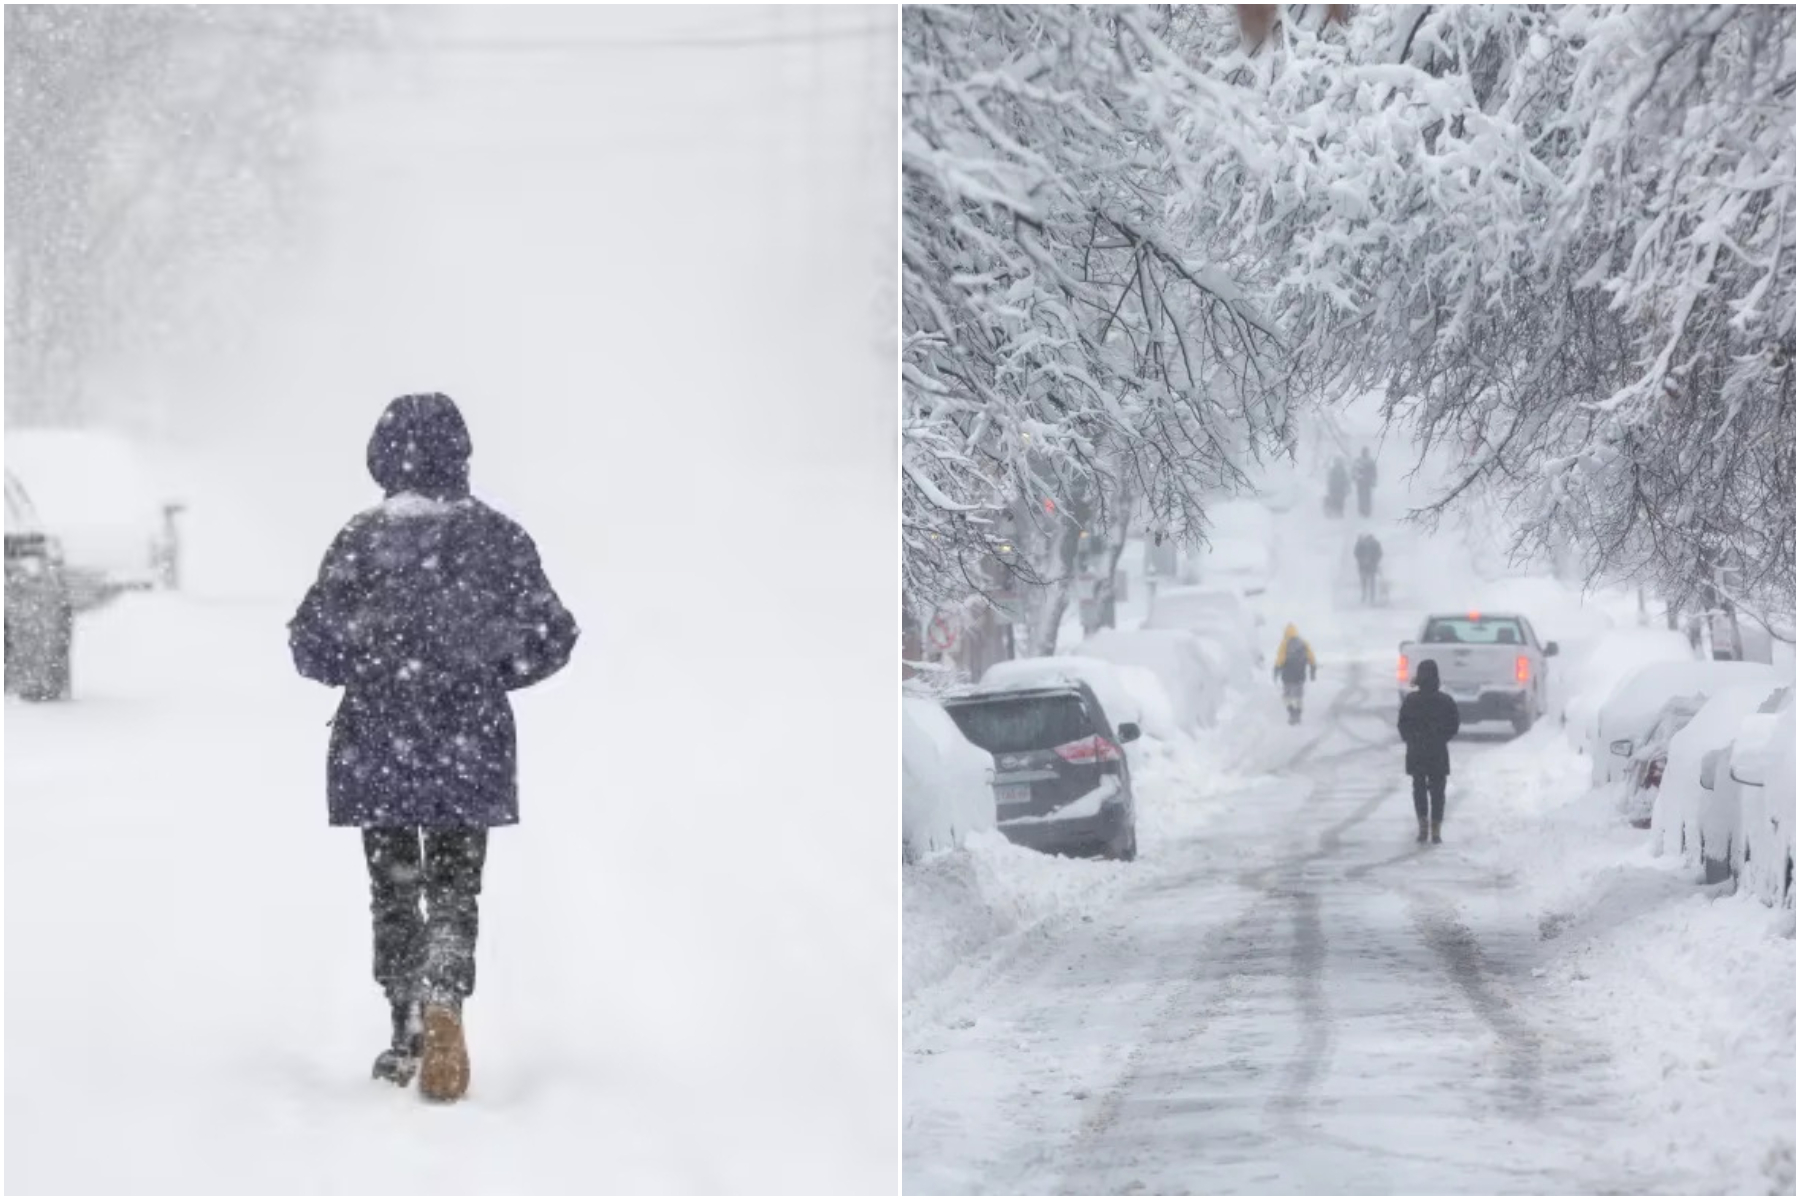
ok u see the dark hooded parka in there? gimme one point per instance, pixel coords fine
(1428, 720)
(428, 609)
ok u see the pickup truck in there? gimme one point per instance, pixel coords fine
(1491, 664)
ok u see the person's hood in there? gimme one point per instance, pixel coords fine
(421, 445)
(1427, 677)
(1289, 633)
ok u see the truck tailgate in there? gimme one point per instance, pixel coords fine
(1467, 671)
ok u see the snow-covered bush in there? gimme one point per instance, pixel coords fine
(1190, 679)
(946, 782)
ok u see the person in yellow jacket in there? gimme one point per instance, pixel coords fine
(1294, 663)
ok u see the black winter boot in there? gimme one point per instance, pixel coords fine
(1437, 832)
(400, 1061)
(1424, 830)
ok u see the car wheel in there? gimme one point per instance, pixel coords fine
(1128, 851)
(1522, 723)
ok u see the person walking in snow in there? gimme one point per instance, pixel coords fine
(1294, 662)
(1337, 488)
(1428, 720)
(1368, 565)
(429, 608)
(1365, 481)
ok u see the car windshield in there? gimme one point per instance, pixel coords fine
(1011, 724)
(1479, 631)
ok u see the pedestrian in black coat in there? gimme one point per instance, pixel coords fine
(1428, 720)
(429, 608)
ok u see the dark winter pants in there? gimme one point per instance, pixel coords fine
(427, 955)
(1368, 584)
(1434, 784)
(1362, 499)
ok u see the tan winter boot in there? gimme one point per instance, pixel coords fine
(1424, 830)
(1437, 832)
(444, 1069)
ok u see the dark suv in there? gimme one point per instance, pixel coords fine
(1061, 783)
(40, 620)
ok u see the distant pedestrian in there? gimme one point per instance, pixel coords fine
(1428, 720)
(428, 609)
(1365, 481)
(1337, 488)
(1368, 566)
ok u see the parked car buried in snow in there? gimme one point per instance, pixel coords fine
(1061, 782)
(1649, 758)
(1491, 664)
(96, 493)
(1625, 718)
(40, 620)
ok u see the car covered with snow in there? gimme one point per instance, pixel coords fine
(97, 492)
(1193, 677)
(946, 782)
(1062, 784)
(1589, 678)
(1696, 790)
(1128, 693)
(1763, 855)
(1649, 758)
(40, 615)
(1491, 664)
(1625, 718)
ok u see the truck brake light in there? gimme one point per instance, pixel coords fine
(1402, 674)
(1522, 672)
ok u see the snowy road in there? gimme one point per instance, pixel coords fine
(1303, 1000)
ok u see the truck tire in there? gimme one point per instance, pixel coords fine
(1522, 723)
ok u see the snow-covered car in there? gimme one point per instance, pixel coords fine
(1649, 759)
(1696, 791)
(1625, 718)
(1763, 857)
(40, 618)
(1491, 664)
(1190, 674)
(946, 783)
(1128, 693)
(1217, 613)
(1589, 679)
(1062, 784)
(96, 492)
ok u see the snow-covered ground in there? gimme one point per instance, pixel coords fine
(687, 979)
(1286, 994)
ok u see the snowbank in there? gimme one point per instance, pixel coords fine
(1692, 991)
(956, 903)
(946, 781)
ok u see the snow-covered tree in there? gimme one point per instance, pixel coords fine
(140, 139)
(1070, 335)
(1561, 239)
